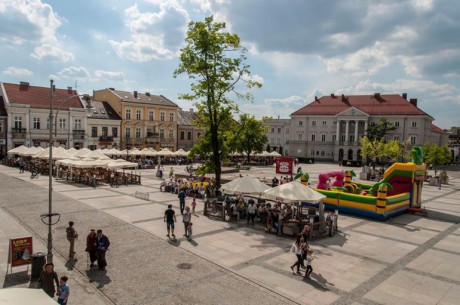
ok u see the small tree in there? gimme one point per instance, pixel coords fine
(380, 130)
(392, 150)
(437, 155)
(250, 136)
(372, 149)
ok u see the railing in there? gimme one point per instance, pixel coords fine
(106, 138)
(19, 133)
(18, 130)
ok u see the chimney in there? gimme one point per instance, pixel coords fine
(135, 94)
(112, 89)
(69, 89)
(377, 95)
(413, 101)
(343, 97)
(147, 93)
(26, 84)
(332, 95)
(404, 96)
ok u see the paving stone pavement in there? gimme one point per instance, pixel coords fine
(407, 260)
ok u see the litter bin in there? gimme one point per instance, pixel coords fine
(38, 261)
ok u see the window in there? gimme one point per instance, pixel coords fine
(323, 153)
(323, 138)
(312, 152)
(279, 130)
(171, 134)
(36, 123)
(272, 141)
(47, 123)
(151, 115)
(77, 125)
(361, 123)
(182, 135)
(396, 138)
(324, 123)
(162, 116)
(128, 132)
(171, 117)
(198, 135)
(17, 122)
(138, 133)
(1, 126)
(352, 138)
(313, 123)
(272, 130)
(413, 124)
(105, 131)
(300, 136)
(342, 138)
(313, 137)
(114, 132)
(396, 124)
(413, 139)
(317, 152)
(373, 123)
(162, 134)
(62, 123)
(287, 142)
(189, 135)
(94, 132)
(278, 141)
(334, 138)
(300, 123)
(128, 114)
(138, 115)
(335, 123)
(287, 130)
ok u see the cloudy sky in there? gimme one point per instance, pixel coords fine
(298, 49)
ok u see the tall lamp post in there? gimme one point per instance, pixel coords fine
(48, 218)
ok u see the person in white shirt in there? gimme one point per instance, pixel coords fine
(252, 211)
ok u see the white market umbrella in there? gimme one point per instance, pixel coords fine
(244, 185)
(88, 163)
(96, 154)
(274, 154)
(25, 296)
(181, 153)
(120, 163)
(293, 191)
(165, 152)
(32, 151)
(18, 150)
(58, 154)
(84, 152)
(135, 151)
(263, 154)
(72, 151)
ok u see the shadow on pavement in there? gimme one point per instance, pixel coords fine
(17, 279)
(319, 282)
(98, 276)
(70, 264)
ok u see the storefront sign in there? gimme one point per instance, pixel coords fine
(20, 251)
(284, 165)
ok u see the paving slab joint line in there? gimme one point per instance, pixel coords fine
(56, 252)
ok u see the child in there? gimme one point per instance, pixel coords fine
(309, 270)
(193, 205)
(64, 291)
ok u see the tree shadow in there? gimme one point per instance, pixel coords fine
(98, 276)
(17, 278)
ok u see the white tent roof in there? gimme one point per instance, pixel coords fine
(181, 153)
(25, 296)
(32, 151)
(293, 191)
(96, 154)
(263, 154)
(245, 185)
(275, 154)
(165, 152)
(72, 151)
(18, 150)
(120, 163)
(58, 154)
(84, 152)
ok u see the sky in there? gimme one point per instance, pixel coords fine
(297, 49)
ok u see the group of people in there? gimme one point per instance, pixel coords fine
(282, 180)
(47, 281)
(97, 245)
(197, 188)
(170, 219)
(304, 254)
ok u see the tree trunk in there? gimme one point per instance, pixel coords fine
(216, 153)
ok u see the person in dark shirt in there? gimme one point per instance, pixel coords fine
(181, 197)
(170, 219)
(103, 244)
(47, 277)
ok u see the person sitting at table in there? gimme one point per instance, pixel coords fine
(163, 185)
(241, 208)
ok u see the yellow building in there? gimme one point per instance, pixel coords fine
(147, 120)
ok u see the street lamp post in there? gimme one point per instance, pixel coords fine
(47, 218)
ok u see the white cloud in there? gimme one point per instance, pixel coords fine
(17, 71)
(154, 35)
(73, 73)
(275, 107)
(52, 52)
(109, 75)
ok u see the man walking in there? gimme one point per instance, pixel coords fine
(91, 246)
(103, 244)
(252, 210)
(72, 235)
(187, 217)
(181, 197)
(170, 219)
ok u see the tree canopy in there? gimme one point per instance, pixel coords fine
(437, 155)
(250, 136)
(215, 62)
(380, 129)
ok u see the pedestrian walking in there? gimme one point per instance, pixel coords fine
(297, 249)
(91, 246)
(193, 205)
(103, 244)
(72, 235)
(170, 219)
(21, 165)
(186, 218)
(309, 270)
(48, 278)
(252, 211)
(181, 197)
(64, 291)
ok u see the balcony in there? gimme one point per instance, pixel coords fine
(19, 133)
(78, 133)
(106, 139)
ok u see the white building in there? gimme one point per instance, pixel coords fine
(330, 127)
(104, 125)
(278, 135)
(28, 109)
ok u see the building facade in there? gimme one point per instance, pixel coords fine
(187, 133)
(28, 109)
(3, 125)
(147, 120)
(330, 127)
(104, 126)
(278, 135)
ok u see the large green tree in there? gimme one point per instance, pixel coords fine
(250, 136)
(215, 62)
(380, 129)
(436, 155)
(372, 149)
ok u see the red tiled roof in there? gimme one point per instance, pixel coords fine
(384, 104)
(437, 129)
(2, 107)
(39, 97)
